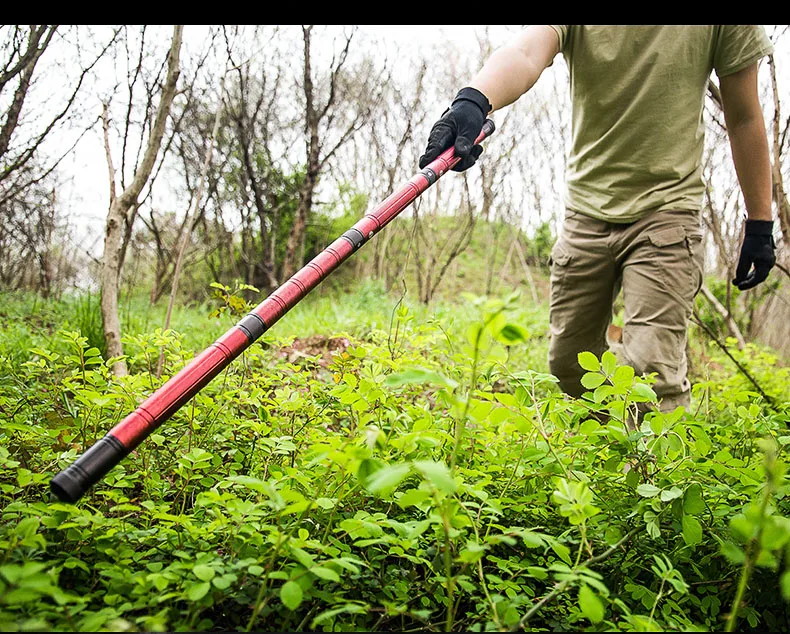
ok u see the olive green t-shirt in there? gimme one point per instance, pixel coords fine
(638, 94)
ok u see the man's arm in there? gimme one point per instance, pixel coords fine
(507, 74)
(748, 140)
(749, 143)
(513, 69)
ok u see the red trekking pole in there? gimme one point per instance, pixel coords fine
(69, 485)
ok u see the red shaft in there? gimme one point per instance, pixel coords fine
(70, 484)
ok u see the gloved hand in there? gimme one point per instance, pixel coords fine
(459, 126)
(758, 249)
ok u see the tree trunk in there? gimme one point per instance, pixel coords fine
(110, 272)
(291, 262)
(121, 206)
(779, 194)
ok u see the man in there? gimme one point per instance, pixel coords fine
(634, 179)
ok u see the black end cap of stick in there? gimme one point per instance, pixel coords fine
(70, 484)
(489, 127)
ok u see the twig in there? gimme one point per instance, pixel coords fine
(745, 372)
(189, 221)
(561, 587)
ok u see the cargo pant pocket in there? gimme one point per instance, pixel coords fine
(559, 264)
(677, 258)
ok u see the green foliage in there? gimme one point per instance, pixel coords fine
(427, 475)
(86, 311)
(542, 243)
(231, 302)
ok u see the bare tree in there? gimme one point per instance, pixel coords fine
(438, 240)
(779, 137)
(27, 126)
(253, 118)
(330, 121)
(410, 116)
(121, 206)
(40, 125)
(189, 221)
(35, 244)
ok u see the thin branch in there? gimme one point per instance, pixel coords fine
(740, 366)
(559, 589)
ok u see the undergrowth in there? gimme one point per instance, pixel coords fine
(425, 473)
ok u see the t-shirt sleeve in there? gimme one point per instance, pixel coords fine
(739, 46)
(562, 33)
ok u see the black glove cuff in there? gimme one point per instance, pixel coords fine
(759, 227)
(476, 97)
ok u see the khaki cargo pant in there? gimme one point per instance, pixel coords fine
(657, 261)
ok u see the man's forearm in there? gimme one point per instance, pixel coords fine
(748, 140)
(749, 145)
(513, 69)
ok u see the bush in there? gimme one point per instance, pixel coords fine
(433, 480)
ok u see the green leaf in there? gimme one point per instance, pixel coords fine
(648, 490)
(591, 380)
(387, 478)
(325, 573)
(784, 582)
(775, 532)
(733, 552)
(21, 595)
(419, 376)
(472, 553)
(198, 590)
(693, 503)
(291, 595)
(562, 551)
(653, 529)
(602, 392)
(589, 426)
(512, 333)
(608, 362)
(27, 526)
(643, 392)
(368, 467)
(670, 494)
(742, 526)
(348, 608)
(13, 573)
(223, 582)
(302, 556)
(438, 474)
(325, 503)
(590, 604)
(692, 530)
(588, 361)
(623, 375)
(413, 497)
(203, 572)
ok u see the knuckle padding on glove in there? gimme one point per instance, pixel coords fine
(459, 127)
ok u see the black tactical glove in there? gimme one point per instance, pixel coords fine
(459, 127)
(758, 249)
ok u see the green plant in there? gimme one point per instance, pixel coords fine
(427, 475)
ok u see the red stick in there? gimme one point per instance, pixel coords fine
(69, 485)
